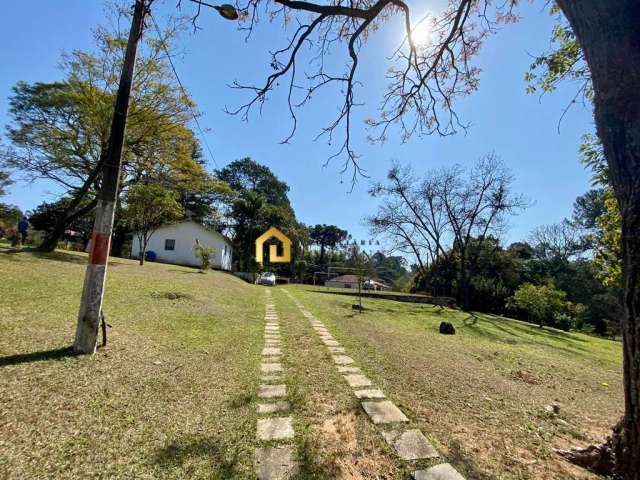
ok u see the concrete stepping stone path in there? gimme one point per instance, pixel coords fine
(370, 393)
(271, 367)
(342, 360)
(444, 471)
(357, 380)
(384, 412)
(273, 462)
(276, 428)
(410, 444)
(281, 406)
(271, 351)
(272, 391)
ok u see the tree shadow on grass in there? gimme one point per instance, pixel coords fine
(223, 461)
(524, 335)
(57, 255)
(21, 358)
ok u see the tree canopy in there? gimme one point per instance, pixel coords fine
(148, 207)
(59, 130)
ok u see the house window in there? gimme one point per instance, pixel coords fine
(169, 244)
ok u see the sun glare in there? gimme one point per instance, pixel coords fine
(421, 33)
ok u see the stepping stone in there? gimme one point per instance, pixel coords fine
(272, 327)
(331, 343)
(275, 463)
(349, 370)
(270, 367)
(271, 351)
(271, 324)
(444, 471)
(272, 391)
(271, 378)
(410, 444)
(281, 406)
(337, 349)
(370, 393)
(384, 412)
(276, 428)
(342, 360)
(357, 380)
(272, 336)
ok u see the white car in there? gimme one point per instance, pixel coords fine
(267, 278)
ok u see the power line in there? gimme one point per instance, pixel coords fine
(184, 91)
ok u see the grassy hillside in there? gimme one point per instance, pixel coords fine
(173, 395)
(481, 394)
(166, 399)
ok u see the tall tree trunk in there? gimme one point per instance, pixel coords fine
(50, 242)
(463, 287)
(142, 247)
(609, 34)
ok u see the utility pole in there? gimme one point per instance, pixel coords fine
(96, 273)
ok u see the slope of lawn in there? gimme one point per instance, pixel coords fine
(173, 394)
(170, 397)
(480, 395)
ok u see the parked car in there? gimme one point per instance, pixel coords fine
(267, 278)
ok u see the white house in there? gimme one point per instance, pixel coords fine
(174, 244)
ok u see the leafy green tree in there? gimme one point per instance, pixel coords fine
(389, 269)
(5, 181)
(608, 251)
(59, 130)
(47, 215)
(539, 302)
(258, 200)
(326, 237)
(246, 175)
(148, 207)
(9, 216)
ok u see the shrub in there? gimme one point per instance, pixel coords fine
(205, 255)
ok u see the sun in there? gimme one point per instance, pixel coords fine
(421, 34)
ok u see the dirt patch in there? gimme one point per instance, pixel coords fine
(526, 377)
(172, 295)
(340, 430)
(349, 459)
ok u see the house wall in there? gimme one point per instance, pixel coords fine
(185, 235)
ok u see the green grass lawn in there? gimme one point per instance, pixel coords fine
(173, 395)
(170, 397)
(480, 395)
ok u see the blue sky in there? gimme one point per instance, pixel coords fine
(520, 128)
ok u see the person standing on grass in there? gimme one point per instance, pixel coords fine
(23, 229)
